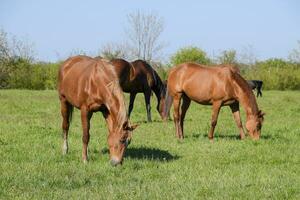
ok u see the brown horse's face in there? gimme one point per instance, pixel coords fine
(254, 124)
(160, 107)
(118, 143)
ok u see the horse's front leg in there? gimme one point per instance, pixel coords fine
(214, 118)
(235, 109)
(147, 95)
(177, 116)
(85, 120)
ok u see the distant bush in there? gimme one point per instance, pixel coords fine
(190, 54)
(20, 73)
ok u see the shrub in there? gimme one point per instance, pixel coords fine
(190, 54)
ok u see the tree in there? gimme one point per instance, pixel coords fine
(248, 57)
(114, 50)
(11, 48)
(227, 57)
(294, 55)
(143, 35)
(190, 54)
(13, 54)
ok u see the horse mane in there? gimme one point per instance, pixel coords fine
(116, 92)
(247, 90)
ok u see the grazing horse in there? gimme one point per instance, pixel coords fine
(256, 84)
(92, 85)
(216, 86)
(140, 77)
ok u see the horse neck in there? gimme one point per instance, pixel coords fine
(246, 98)
(117, 111)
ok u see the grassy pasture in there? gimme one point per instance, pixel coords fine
(156, 166)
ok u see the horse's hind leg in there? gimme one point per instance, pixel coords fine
(85, 121)
(185, 105)
(131, 102)
(147, 95)
(66, 112)
(235, 109)
(215, 113)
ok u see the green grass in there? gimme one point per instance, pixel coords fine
(156, 166)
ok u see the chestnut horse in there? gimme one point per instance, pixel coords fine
(92, 85)
(217, 86)
(140, 77)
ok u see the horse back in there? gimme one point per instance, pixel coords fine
(145, 73)
(201, 83)
(81, 78)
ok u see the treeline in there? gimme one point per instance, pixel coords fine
(19, 70)
(19, 73)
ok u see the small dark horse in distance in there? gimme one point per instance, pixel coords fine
(217, 86)
(139, 77)
(92, 85)
(256, 84)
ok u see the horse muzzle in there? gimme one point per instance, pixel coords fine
(115, 161)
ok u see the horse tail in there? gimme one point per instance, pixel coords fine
(168, 104)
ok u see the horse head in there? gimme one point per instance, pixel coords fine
(118, 142)
(254, 124)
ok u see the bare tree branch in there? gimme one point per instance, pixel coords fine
(143, 35)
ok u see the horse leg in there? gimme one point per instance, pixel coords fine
(259, 91)
(131, 102)
(235, 109)
(185, 105)
(215, 113)
(85, 120)
(176, 114)
(66, 110)
(147, 95)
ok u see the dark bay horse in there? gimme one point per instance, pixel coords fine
(140, 77)
(92, 85)
(256, 84)
(216, 86)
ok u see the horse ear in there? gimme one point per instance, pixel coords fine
(132, 127)
(128, 127)
(261, 114)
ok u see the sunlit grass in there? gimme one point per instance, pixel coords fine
(157, 165)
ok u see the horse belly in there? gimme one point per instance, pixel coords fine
(199, 97)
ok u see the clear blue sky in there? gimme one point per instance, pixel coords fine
(57, 27)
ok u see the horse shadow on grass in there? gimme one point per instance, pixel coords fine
(145, 153)
(228, 137)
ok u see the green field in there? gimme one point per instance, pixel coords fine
(157, 165)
